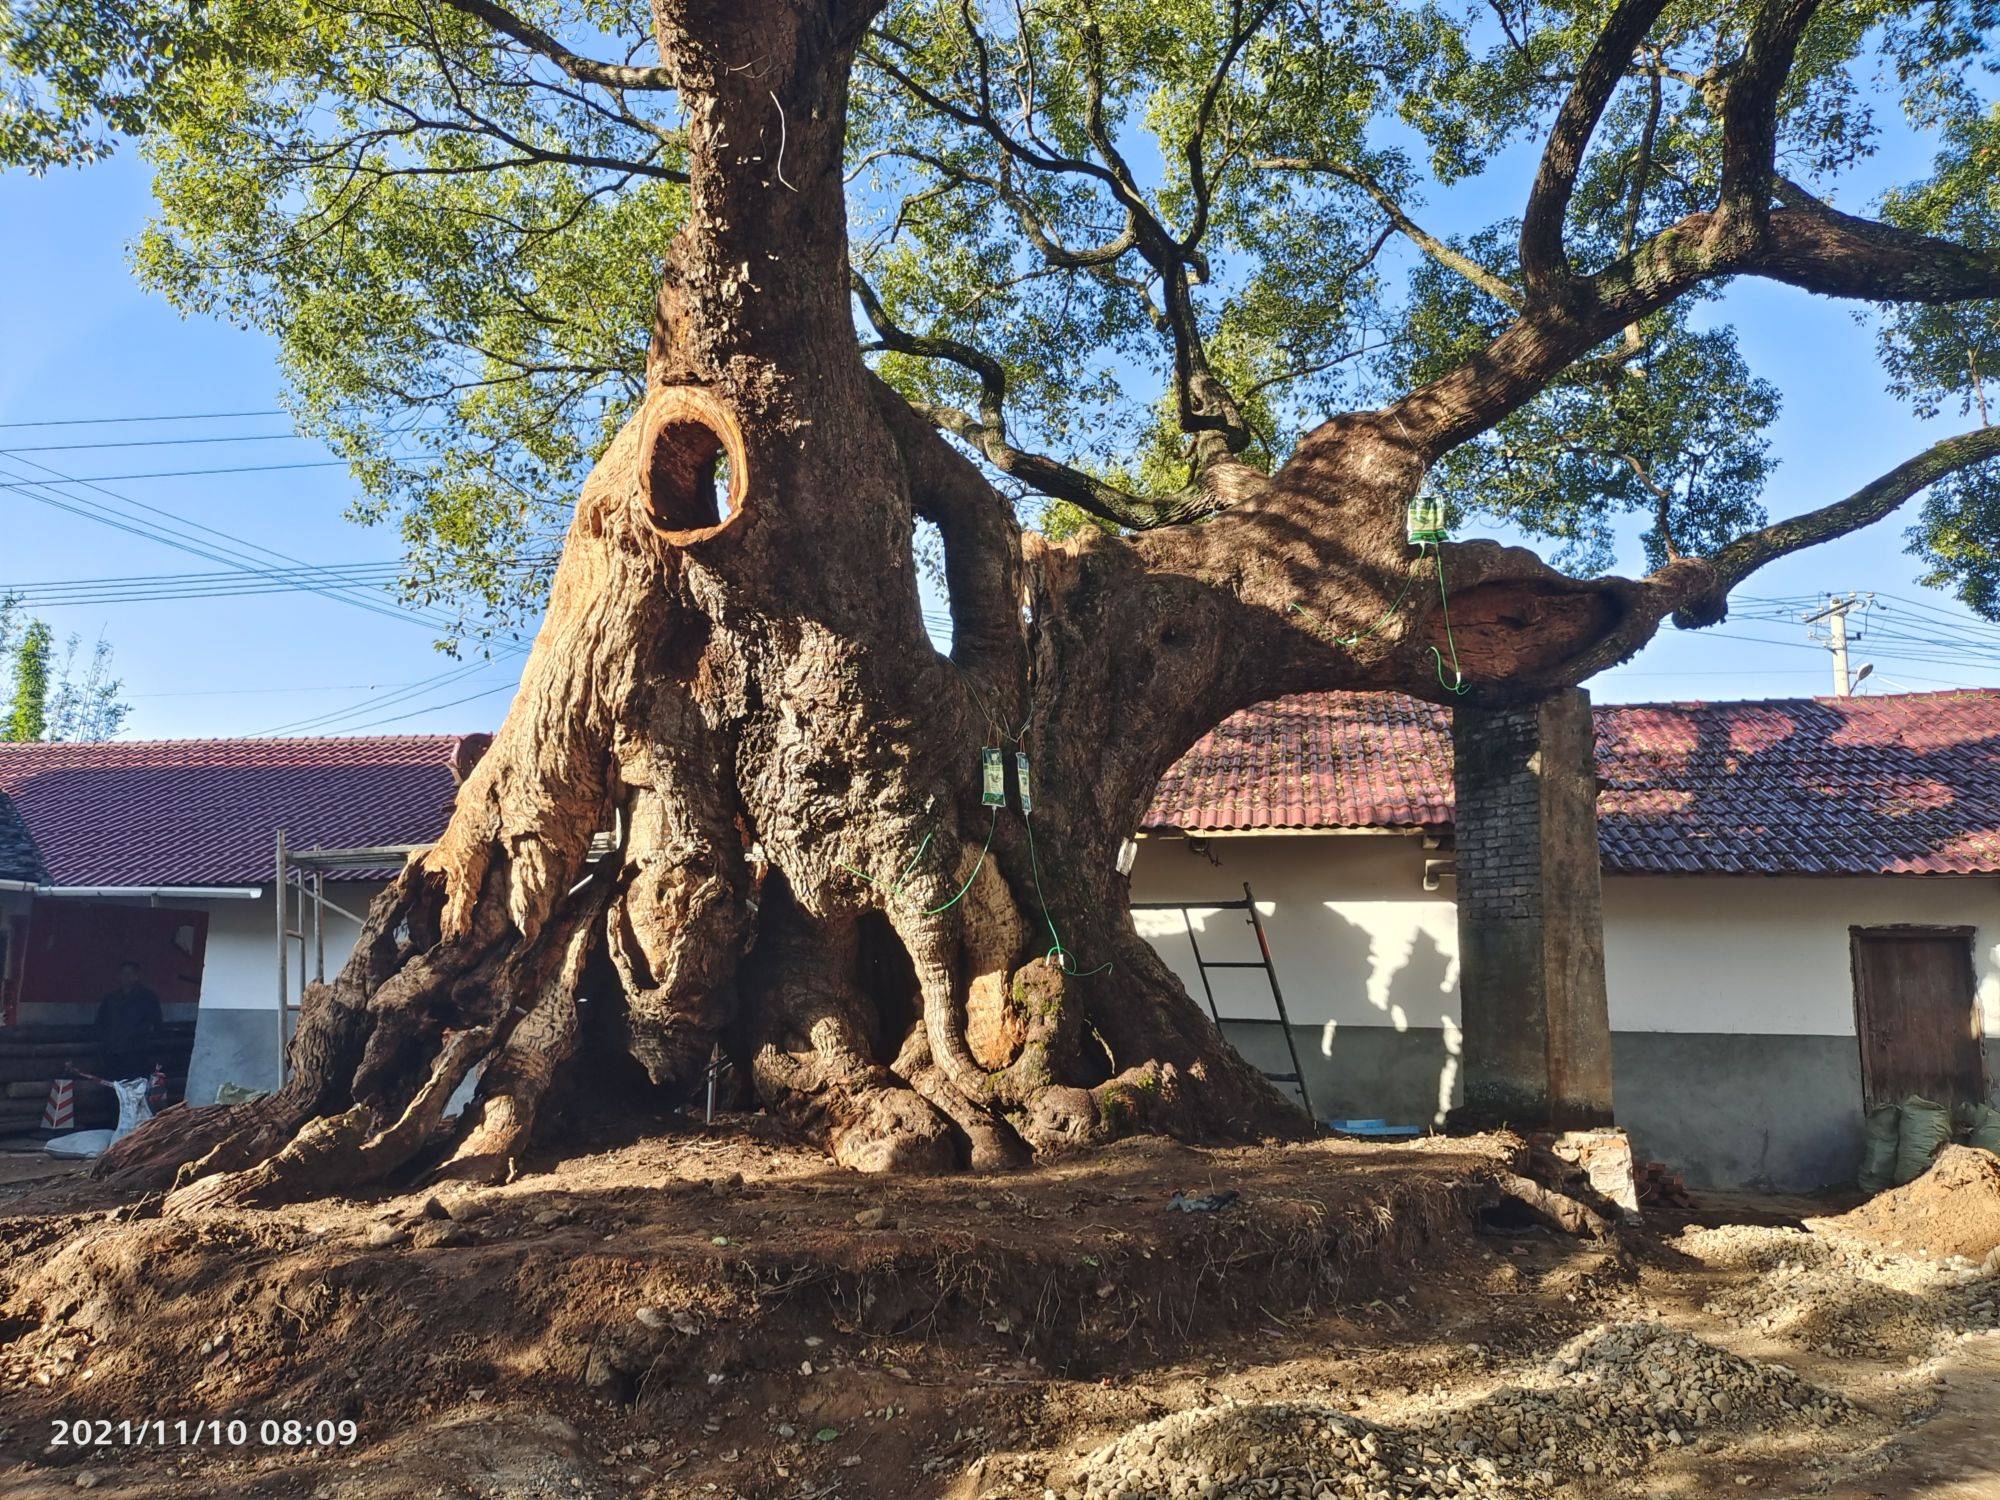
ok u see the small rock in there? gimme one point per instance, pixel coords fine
(466, 1210)
(438, 1236)
(599, 1372)
(876, 1217)
(432, 1209)
(382, 1236)
(652, 1317)
(88, 1479)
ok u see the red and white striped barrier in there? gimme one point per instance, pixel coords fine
(60, 1114)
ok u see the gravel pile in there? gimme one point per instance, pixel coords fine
(1606, 1404)
(1845, 1297)
(1257, 1448)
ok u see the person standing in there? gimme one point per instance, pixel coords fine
(128, 1022)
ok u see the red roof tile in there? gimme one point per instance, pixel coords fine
(1901, 784)
(206, 812)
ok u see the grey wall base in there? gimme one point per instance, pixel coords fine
(1730, 1110)
(1375, 1072)
(232, 1046)
(1742, 1110)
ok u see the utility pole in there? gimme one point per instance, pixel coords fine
(1834, 616)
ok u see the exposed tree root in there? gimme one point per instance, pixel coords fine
(1559, 1209)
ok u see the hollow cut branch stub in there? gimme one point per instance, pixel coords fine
(688, 437)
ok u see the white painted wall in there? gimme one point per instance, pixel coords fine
(241, 972)
(1356, 938)
(1771, 954)
(1359, 942)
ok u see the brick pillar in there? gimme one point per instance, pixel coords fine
(1537, 1030)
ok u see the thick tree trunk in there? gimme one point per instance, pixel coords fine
(734, 677)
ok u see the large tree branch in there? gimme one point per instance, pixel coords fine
(1003, 187)
(1544, 263)
(582, 69)
(1750, 106)
(992, 377)
(982, 553)
(1200, 187)
(1867, 505)
(1812, 245)
(1695, 590)
(987, 435)
(1207, 411)
(1494, 286)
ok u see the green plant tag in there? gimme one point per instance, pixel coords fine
(992, 778)
(1021, 775)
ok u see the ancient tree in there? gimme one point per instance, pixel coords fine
(733, 676)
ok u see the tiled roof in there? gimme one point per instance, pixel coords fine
(18, 859)
(1901, 784)
(1318, 760)
(207, 812)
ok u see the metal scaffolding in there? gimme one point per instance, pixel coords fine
(302, 907)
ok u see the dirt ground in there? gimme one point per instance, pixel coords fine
(721, 1314)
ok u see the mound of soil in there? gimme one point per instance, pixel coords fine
(731, 1306)
(1953, 1209)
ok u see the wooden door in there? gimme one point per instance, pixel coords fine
(1917, 1014)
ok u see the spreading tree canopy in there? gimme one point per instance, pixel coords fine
(1211, 293)
(1105, 245)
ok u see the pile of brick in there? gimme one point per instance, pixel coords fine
(1660, 1186)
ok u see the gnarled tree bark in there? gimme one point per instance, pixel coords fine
(734, 677)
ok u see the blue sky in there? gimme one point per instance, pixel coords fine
(82, 340)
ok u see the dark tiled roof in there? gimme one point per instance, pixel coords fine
(207, 812)
(1903, 784)
(18, 857)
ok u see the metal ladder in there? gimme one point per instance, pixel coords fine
(1296, 1079)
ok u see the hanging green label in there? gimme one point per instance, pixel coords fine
(1021, 775)
(1424, 522)
(992, 778)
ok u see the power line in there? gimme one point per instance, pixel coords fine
(354, 710)
(192, 585)
(185, 416)
(317, 463)
(1937, 658)
(505, 687)
(258, 692)
(385, 562)
(103, 515)
(232, 554)
(163, 588)
(178, 442)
